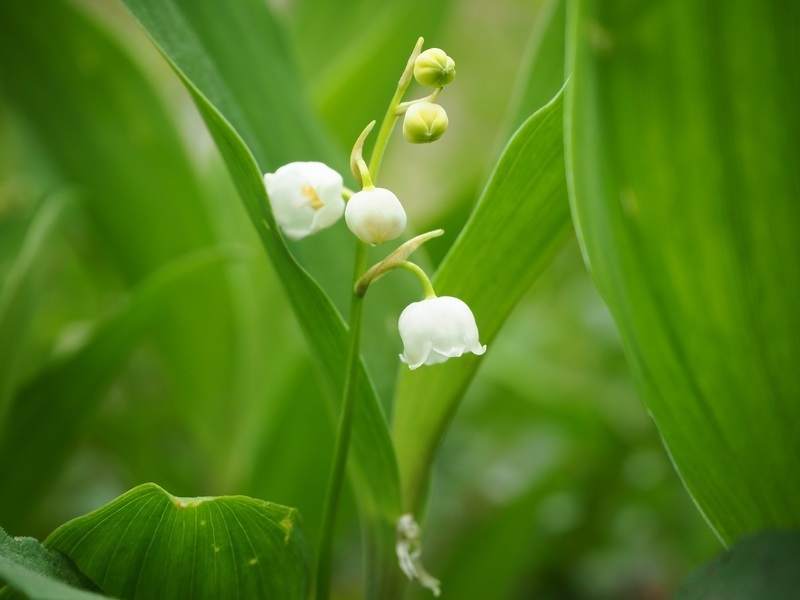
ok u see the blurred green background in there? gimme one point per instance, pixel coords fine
(151, 340)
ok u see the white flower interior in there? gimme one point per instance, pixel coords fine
(305, 197)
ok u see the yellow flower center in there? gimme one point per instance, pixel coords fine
(314, 201)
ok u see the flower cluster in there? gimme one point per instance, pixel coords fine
(307, 197)
(425, 121)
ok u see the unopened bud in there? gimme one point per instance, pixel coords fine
(434, 68)
(424, 122)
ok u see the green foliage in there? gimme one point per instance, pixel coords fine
(682, 132)
(39, 573)
(85, 375)
(150, 544)
(356, 54)
(18, 297)
(763, 565)
(520, 222)
(134, 184)
(222, 101)
(542, 72)
(162, 329)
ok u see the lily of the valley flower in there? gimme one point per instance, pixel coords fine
(305, 197)
(409, 552)
(375, 215)
(436, 329)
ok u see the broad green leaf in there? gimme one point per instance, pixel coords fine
(207, 51)
(521, 220)
(40, 574)
(57, 403)
(17, 298)
(105, 132)
(682, 130)
(763, 565)
(150, 544)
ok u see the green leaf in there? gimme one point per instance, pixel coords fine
(542, 73)
(17, 297)
(58, 402)
(150, 544)
(194, 42)
(208, 43)
(39, 573)
(521, 220)
(684, 140)
(763, 565)
(106, 133)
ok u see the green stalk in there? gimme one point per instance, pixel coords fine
(390, 118)
(343, 433)
(342, 444)
(427, 286)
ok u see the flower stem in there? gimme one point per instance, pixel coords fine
(342, 444)
(391, 113)
(344, 429)
(427, 286)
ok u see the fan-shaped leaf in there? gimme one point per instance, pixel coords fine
(150, 544)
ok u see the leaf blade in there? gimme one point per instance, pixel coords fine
(127, 546)
(40, 574)
(16, 303)
(81, 377)
(110, 137)
(686, 216)
(481, 260)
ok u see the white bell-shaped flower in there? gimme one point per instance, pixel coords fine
(436, 329)
(305, 197)
(375, 215)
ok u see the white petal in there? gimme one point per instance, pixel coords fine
(418, 356)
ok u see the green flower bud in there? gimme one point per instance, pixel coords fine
(434, 68)
(424, 122)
